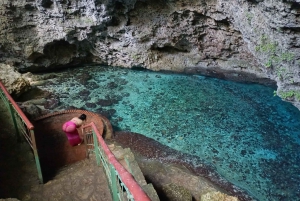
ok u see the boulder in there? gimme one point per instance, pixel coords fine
(176, 193)
(13, 80)
(217, 196)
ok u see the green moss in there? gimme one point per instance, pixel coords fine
(271, 49)
(290, 94)
(276, 59)
(268, 64)
(280, 72)
(266, 47)
(287, 56)
(249, 17)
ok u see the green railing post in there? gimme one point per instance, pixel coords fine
(11, 110)
(114, 187)
(36, 157)
(17, 113)
(96, 147)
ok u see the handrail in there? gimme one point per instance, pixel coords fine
(99, 119)
(20, 121)
(17, 108)
(134, 188)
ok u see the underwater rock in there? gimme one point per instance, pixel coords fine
(91, 105)
(104, 103)
(52, 103)
(106, 113)
(112, 85)
(84, 94)
(92, 85)
(83, 78)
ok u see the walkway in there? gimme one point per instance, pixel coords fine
(81, 180)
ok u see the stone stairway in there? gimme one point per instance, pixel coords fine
(127, 159)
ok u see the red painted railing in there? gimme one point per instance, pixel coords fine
(17, 108)
(20, 122)
(134, 188)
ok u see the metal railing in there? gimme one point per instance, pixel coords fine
(121, 183)
(22, 125)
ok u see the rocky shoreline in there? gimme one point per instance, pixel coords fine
(149, 153)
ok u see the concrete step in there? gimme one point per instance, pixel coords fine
(127, 159)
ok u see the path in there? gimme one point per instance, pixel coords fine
(82, 180)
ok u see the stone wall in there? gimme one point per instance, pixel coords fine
(226, 39)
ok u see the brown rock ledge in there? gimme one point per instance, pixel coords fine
(162, 165)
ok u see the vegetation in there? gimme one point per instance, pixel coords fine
(290, 94)
(280, 72)
(249, 17)
(271, 49)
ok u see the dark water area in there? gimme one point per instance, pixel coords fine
(248, 135)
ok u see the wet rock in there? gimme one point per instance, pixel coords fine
(52, 103)
(32, 78)
(31, 110)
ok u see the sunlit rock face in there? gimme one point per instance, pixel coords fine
(13, 81)
(225, 39)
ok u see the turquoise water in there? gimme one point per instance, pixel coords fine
(249, 135)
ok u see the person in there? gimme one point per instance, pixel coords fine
(70, 128)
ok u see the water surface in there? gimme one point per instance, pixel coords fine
(249, 135)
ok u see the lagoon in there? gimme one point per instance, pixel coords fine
(249, 135)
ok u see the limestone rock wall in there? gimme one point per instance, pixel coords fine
(251, 40)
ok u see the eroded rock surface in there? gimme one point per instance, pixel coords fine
(13, 80)
(225, 39)
(217, 196)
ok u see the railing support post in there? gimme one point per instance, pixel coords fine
(118, 177)
(11, 110)
(36, 157)
(114, 187)
(16, 112)
(96, 147)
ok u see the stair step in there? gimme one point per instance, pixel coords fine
(127, 159)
